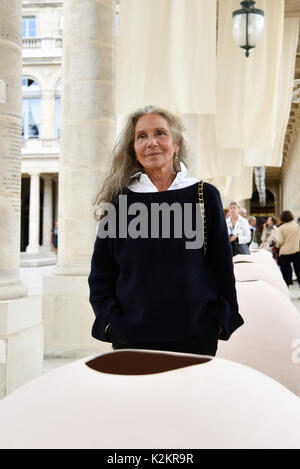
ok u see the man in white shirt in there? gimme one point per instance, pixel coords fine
(238, 230)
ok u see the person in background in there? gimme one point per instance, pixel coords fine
(243, 212)
(288, 239)
(226, 212)
(252, 225)
(238, 230)
(269, 234)
(54, 236)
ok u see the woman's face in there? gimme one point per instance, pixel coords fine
(234, 211)
(153, 143)
(269, 221)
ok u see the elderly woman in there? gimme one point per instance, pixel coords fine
(238, 230)
(160, 292)
(288, 237)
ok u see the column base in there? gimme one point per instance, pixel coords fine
(33, 249)
(74, 271)
(46, 248)
(68, 318)
(36, 260)
(21, 342)
(12, 290)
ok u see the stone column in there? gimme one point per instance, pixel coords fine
(87, 138)
(34, 214)
(47, 213)
(21, 334)
(10, 150)
(290, 185)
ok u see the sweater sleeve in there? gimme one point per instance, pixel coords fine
(219, 256)
(102, 281)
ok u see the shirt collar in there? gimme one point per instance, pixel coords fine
(238, 220)
(180, 175)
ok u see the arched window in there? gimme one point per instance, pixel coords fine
(31, 108)
(57, 108)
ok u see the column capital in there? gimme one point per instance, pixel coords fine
(47, 177)
(34, 172)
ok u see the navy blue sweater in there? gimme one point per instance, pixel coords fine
(154, 289)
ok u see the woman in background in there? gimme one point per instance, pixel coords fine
(238, 230)
(288, 238)
(269, 234)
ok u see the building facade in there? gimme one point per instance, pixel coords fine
(42, 27)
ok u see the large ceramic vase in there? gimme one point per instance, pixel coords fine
(150, 399)
(270, 336)
(260, 256)
(249, 271)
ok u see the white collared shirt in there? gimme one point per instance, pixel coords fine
(142, 182)
(241, 229)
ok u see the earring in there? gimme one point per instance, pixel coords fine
(177, 166)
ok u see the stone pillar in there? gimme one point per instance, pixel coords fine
(47, 213)
(21, 334)
(34, 214)
(10, 150)
(290, 188)
(87, 138)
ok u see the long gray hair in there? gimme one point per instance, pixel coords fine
(124, 162)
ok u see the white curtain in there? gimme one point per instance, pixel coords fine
(31, 117)
(232, 106)
(206, 160)
(246, 123)
(235, 187)
(34, 110)
(166, 55)
(247, 87)
(272, 156)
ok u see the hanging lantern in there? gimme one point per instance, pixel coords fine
(248, 26)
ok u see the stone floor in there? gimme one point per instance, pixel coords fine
(295, 295)
(32, 277)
